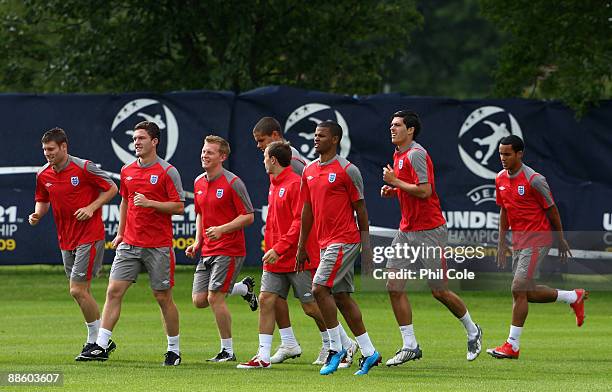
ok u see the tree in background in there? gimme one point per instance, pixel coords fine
(556, 49)
(453, 55)
(162, 45)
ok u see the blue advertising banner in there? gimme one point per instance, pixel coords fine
(460, 136)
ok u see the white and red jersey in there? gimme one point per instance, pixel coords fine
(218, 201)
(283, 224)
(525, 196)
(330, 188)
(159, 181)
(74, 186)
(414, 166)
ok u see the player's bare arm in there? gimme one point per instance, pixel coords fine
(306, 225)
(87, 212)
(238, 223)
(555, 221)
(165, 207)
(422, 191)
(40, 210)
(122, 219)
(193, 248)
(502, 247)
(364, 231)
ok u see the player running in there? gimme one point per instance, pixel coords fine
(76, 189)
(268, 130)
(332, 191)
(528, 209)
(223, 209)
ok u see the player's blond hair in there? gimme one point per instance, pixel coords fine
(224, 147)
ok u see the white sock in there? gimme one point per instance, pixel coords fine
(569, 297)
(470, 327)
(92, 331)
(287, 337)
(515, 337)
(408, 337)
(240, 289)
(344, 339)
(227, 345)
(365, 344)
(265, 345)
(325, 339)
(104, 336)
(173, 344)
(334, 338)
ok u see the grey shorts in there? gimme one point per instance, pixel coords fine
(216, 273)
(159, 263)
(279, 283)
(336, 269)
(426, 251)
(84, 262)
(525, 262)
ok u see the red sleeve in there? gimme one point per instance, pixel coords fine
(196, 204)
(498, 199)
(304, 191)
(171, 190)
(97, 177)
(41, 194)
(123, 191)
(292, 235)
(238, 203)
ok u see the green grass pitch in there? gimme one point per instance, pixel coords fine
(41, 329)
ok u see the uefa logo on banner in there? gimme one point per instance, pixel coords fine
(301, 124)
(132, 113)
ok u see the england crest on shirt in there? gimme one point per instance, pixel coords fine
(281, 192)
(154, 179)
(332, 177)
(400, 164)
(219, 193)
(521, 190)
(74, 180)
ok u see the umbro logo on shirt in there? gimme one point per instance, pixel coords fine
(502, 188)
(128, 178)
(199, 192)
(309, 178)
(48, 184)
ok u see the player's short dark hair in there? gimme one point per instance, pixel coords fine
(515, 141)
(151, 128)
(334, 128)
(411, 120)
(55, 135)
(281, 151)
(267, 125)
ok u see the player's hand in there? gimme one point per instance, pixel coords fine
(33, 219)
(116, 241)
(270, 257)
(84, 213)
(564, 250)
(502, 249)
(141, 200)
(301, 258)
(387, 191)
(389, 175)
(214, 232)
(192, 250)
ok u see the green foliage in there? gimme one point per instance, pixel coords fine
(453, 55)
(161, 45)
(556, 50)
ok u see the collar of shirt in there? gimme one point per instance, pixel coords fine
(281, 176)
